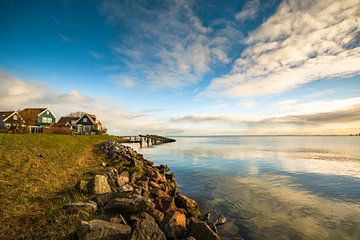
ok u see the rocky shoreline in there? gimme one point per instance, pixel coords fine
(133, 199)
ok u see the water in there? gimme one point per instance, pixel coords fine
(271, 187)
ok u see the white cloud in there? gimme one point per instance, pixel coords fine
(249, 11)
(249, 103)
(339, 116)
(167, 45)
(297, 107)
(302, 42)
(124, 80)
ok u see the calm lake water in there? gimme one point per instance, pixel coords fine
(271, 187)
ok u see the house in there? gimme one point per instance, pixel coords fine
(11, 120)
(65, 125)
(69, 122)
(88, 124)
(37, 119)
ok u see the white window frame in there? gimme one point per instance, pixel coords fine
(85, 120)
(46, 120)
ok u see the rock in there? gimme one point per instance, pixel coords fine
(103, 199)
(175, 224)
(153, 184)
(102, 230)
(136, 175)
(126, 188)
(122, 179)
(158, 193)
(81, 207)
(163, 168)
(190, 238)
(81, 186)
(158, 215)
(220, 220)
(201, 231)
(118, 219)
(143, 184)
(170, 176)
(129, 206)
(146, 228)
(99, 185)
(190, 205)
(165, 204)
(156, 176)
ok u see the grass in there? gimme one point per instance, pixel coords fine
(37, 177)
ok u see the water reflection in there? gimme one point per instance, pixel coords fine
(272, 187)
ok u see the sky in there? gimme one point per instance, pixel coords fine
(186, 67)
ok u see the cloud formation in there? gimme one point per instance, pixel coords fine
(166, 44)
(341, 111)
(249, 11)
(302, 42)
(17, 94)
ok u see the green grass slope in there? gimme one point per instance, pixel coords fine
(37, 175)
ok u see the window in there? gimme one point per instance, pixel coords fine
(47, 112)
(15, 117)
(85, 120)
(46, 120)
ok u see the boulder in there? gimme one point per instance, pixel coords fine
(170, 176)
(158, 215)
(126, 188)
(129, 206)
(190, 205)
(165, 204)
(99, 185)
(122, 179)
(143, 184)
(103, 199)
(201, 231)
(174, 224)
(163, 168)
(146, 228)
(153, 184)
(118, 218)
(102, 230)
(158, 193)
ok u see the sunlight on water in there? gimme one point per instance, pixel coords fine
(271, 187)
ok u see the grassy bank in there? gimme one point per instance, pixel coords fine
(37, 175)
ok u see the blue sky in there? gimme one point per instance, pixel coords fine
(186, 67)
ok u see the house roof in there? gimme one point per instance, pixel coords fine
(66, 124)
(92, 117)
(6, 114)
(30, 115)
(64, 120)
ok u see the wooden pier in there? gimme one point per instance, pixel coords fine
(149, 140)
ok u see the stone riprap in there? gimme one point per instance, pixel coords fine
(136, 200)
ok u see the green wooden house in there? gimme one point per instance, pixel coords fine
(37, 119)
